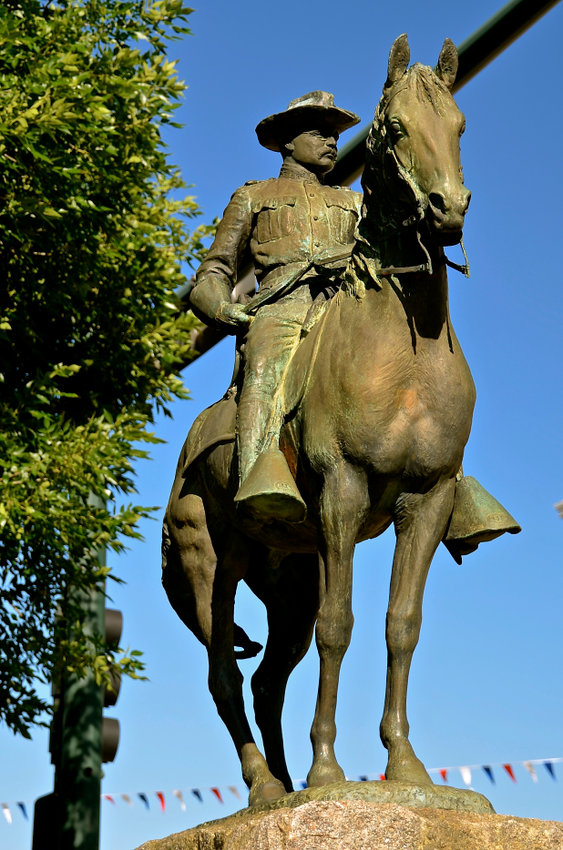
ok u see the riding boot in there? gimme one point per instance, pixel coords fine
(267, 487)
(477, 517)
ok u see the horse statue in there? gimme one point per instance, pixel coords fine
(379, 401)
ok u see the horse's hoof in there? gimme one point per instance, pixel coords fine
(324, 775)
(266, 792)
(406, 767)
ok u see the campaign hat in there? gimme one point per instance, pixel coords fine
(316, 106)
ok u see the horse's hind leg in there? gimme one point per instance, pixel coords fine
(420, 523)
(200, 579)
(225, 678)
(289, 590)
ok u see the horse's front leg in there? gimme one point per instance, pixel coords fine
(343, 504)
(420, 523)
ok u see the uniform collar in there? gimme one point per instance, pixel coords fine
(295, 171)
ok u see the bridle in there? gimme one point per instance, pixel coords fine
(416, 218)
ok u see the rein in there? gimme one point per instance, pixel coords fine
(427, 266)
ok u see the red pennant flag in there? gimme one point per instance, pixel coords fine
(382, 777)
(510, 772)
(217, 794)
(108, 797)
(444, 774)
(160, 796)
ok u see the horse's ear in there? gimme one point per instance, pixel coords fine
(447, 63)
(399, 57)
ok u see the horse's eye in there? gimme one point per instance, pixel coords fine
(396, 129)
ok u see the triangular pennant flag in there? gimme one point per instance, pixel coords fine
(444, 774)
(489, 771)
(161, 799)
(549, 767)
(23, 809)
(178, 794)
(144, 798)
(531, 770)
(382, 777)
(363, 778)
(465, 775)
(234, 790)
(7, 812)
(303, 783)
(127, 799)
(508, 768)
(109, 798)
(217, 794)
(197, 793)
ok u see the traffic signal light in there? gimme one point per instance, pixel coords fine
(113, 626)
(81, 740)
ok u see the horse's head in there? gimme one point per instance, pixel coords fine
(413, 170)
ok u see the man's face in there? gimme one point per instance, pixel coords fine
(315, 149)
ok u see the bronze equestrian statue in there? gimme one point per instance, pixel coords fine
(370, 408)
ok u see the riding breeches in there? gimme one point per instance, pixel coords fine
(270, 343)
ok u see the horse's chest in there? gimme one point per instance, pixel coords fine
(412, 416)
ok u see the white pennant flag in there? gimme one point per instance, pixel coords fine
(465, 775)
(127, 799)
(178, 794)
(531, 770)
(7, 812)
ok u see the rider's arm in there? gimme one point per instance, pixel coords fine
(211, 296)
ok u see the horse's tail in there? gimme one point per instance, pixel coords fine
(249, 648)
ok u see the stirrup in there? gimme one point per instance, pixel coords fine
(477, 517)
(269, 490)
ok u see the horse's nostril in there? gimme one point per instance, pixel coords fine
(437, 201)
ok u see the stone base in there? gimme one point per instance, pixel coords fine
(370, 816)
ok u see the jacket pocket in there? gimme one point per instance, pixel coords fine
(343, 221)
(275, 219)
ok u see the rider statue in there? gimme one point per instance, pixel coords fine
(298, 234)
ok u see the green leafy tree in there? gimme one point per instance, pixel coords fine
(93, 235)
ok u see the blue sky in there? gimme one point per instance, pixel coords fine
(486, 683)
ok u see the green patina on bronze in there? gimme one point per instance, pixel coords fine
(352, 410)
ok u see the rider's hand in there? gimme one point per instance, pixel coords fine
(233, 316)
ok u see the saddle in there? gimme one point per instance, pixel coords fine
(214, 425)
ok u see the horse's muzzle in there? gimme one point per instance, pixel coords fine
(446, 215)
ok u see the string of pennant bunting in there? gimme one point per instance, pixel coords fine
(467, 772)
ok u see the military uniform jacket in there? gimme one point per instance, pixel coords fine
(282, 225)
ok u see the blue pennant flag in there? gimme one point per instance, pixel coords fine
(489, 771)
(197, 793)
(549, 767)
(303, 784)
(144, 798)
(23, 809)
(363, 778)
